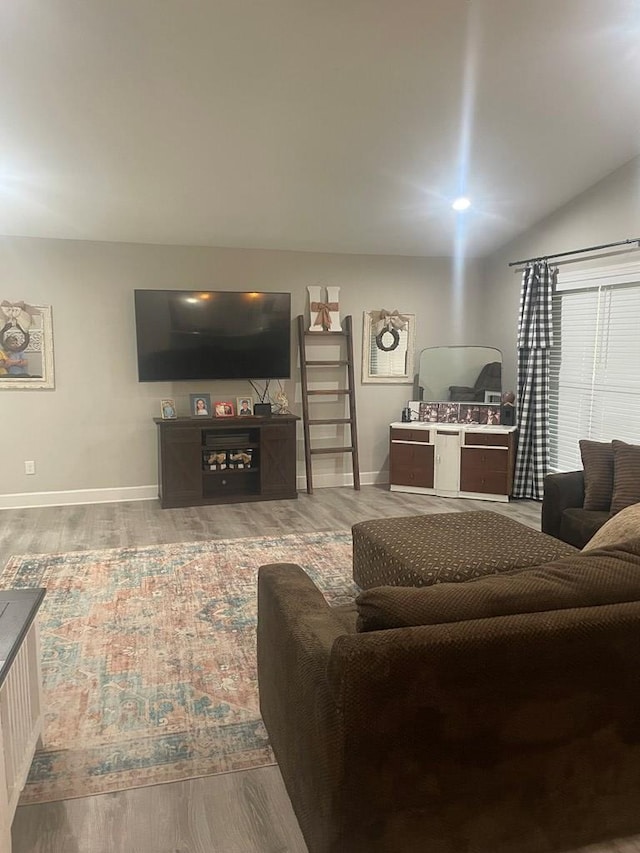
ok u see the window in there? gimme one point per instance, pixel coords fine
(594, 383)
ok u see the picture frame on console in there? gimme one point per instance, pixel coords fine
(223, 409)
(427, 412)
(470, 414)
(168, 410)
(200, 405)
(244, 406)
(448, 413)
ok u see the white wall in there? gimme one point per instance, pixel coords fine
(93, 437)
(605, 213)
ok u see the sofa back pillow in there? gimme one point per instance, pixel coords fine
(597, 461)
(602, 576)
(626, 475)
(618, 529)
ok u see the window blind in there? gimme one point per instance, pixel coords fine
(594, 380)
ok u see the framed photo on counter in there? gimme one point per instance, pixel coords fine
(200, 405)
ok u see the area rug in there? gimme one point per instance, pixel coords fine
(148, 658)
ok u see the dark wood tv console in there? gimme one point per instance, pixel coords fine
(226, 460)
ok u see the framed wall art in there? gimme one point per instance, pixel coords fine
(26, 346)
(388, 340)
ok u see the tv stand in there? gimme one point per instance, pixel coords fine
(226, 460)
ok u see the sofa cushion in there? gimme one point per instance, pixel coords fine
(620, 527)
(347, 615)
(626, 475)
(602, 576)
(577, 526)
(597, 461)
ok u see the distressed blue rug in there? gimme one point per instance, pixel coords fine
(148, 658)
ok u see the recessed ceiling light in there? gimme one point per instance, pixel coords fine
(461, 203)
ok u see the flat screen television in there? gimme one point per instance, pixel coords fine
(195, 334)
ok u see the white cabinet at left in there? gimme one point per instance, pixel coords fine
(21, 714)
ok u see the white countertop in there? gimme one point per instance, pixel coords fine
(499, 428)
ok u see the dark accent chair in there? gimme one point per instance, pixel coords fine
(489, 379)
(563, 515)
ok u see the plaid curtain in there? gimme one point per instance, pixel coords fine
(535, 338)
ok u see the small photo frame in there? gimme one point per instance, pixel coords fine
(414, 409)
(223, 409)
(245, 406)
(448, 413)
(493, 415)
(470, 414)
(427, 412)
(168, 410)
(200, 405)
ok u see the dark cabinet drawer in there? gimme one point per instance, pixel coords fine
(478, 459)
(421, 435)
(411, 465)
(487, 439)
(243, 481)
(485, 482)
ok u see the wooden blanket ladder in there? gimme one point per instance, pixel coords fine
(348, 392)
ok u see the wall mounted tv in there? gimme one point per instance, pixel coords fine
(195, 334)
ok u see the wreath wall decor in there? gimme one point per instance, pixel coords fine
(388, 340)
(395, 340)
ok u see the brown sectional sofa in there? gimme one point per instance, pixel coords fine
(498, 715)
(578, 503)
(563, 512)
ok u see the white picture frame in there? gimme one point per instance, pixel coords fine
(26, 346)
(388, 344)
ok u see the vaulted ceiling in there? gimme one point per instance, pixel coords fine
(321, 125)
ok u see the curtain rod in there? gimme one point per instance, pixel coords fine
(575, 252)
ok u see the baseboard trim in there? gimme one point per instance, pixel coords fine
(73, 497)
(328, 481)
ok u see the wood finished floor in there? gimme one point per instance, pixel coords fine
(244, 812)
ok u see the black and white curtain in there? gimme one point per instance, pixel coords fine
(535, 338)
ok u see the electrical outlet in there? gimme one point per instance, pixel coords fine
(30, 467)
